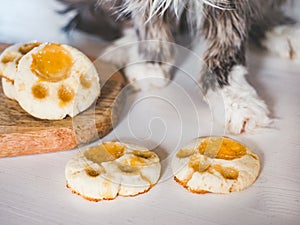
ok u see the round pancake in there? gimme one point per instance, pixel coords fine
(55, 80)
(110, 169)
(215, 165)
(9, 60)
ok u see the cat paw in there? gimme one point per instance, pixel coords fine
(141, 74)
(245, 114)
(284, 42)
(244, 110)
(236, 106)
(147, 76)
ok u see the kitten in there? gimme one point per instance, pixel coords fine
(227, 26)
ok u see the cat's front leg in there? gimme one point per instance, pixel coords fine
(226, 34)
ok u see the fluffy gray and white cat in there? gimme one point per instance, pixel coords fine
(227, 25)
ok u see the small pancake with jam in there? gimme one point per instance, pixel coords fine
(215, 165)
(112, 169)
(55, 80)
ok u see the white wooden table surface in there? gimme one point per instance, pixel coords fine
(32, 188)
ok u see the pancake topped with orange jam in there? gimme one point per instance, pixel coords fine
(216, 165)
(55, 80)
(109, 169)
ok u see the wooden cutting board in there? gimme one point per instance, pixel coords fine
(22, 134)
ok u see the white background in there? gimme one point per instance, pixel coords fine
(32, 188)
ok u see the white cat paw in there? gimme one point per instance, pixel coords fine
(142, 75)
(284, 41)
(245, 114)
(238, 105)
(244, 110)
(147, 76)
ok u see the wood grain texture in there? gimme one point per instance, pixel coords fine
(22, 134)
